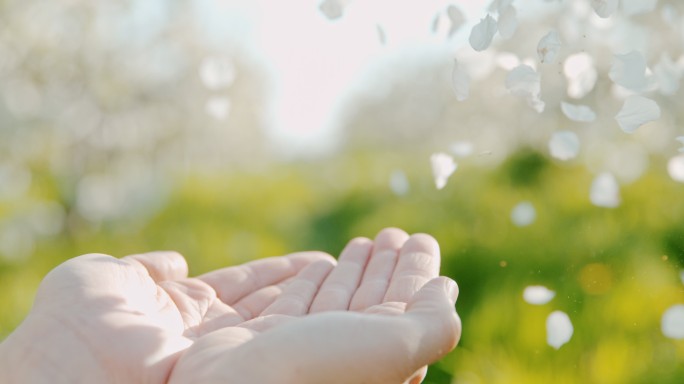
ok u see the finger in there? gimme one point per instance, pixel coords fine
(298, 295)
(253, 304)
(419, 376)
(377, 275)
(432, 312)
(234, 283)
(418, 262)
(162, 265)
(338, 288)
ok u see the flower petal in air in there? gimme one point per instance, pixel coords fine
(482, 33)
(460, 81)
(675, 167)
(581, 74)
(524, 81)
(548, 47)
(564, 145)
(629, 71)
(508, 22)
(559, 329)
(672, 322)
(605, 191)
(667, 75)
(523, 214)
(637, 111)
(579, 113)
(604, 8)
(538, 294)
(443, 166)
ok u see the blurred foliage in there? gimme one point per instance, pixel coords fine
(615, 271)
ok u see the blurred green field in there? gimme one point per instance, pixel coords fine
(615, 271)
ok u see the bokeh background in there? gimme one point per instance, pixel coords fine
(232, 130)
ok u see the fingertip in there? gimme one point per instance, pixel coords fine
(392, 238)
(163, 265)
(421, 242)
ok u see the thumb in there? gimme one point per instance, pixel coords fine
(162, 265)
(432, 311)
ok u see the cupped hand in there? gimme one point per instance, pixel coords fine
(298, 318)
(380, 316)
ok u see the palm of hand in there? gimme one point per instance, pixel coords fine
(141, 314)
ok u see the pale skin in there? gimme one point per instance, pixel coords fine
(379, 314)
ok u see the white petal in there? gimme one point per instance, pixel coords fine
(681, 140)
(456, 18)
(499, 5)
(667, 75)
(637, 111)
(524, 81)
(564, 145)
(523, 214)
(580, 113)
(382, 37)
(558, 329)
(604, 8)
(548, 47)
(675, 167)
(482, 33)
(508, 22)
(538, 294)
(672, 322)
(462, 148)
(332, 9)
(605, 191)
(399, 183)
(581, 74)
(635, 7)
(443, 166)
(217, 72)
(218, 107)
(460, 81)
(629, 71)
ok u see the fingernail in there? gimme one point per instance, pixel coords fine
(452, 290)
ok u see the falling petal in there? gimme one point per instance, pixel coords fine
(629, 71)
(564, 145)
(508, 22)
(558, 329)
(462, 148)
(482, 33)
(681, 140)
(399, 183)
(524, 81)
(675, 167)
(635, 7)
(332, 9)
(672, 322)
(667, 75)
(218, 107)
(538, 294)
(443, 166)
(217, 72)
(581, 74)
(460, 81)
(382, 38)
(637, 111)
(605, 191)
(456, 18)
(523, 214)
(604, 8)
(548, 47)
(579, 113)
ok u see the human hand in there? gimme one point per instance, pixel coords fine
(379, 316)
(130, 320)
(99, 319)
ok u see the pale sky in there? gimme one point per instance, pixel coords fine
(313, 62)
